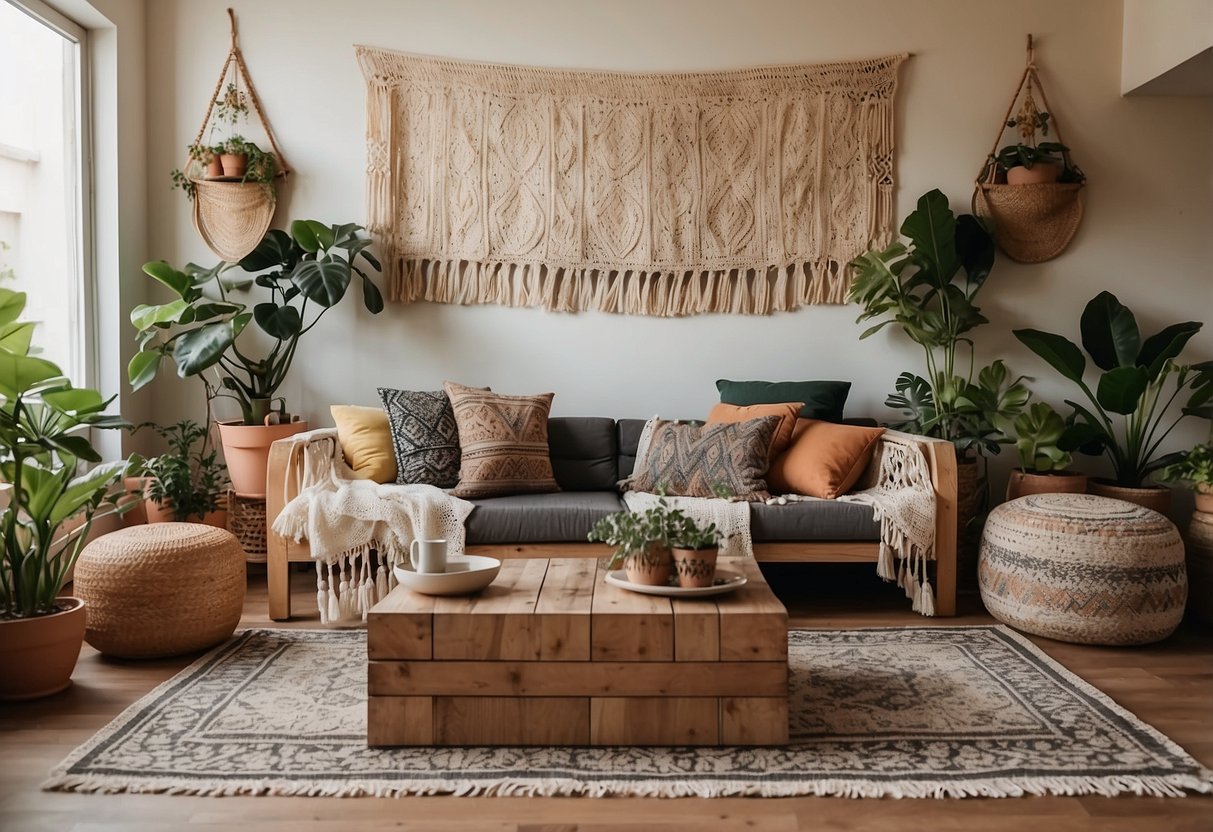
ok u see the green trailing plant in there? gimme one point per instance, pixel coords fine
(231, 105)
(647, 535)
(1194, 468)
(1040, 439)
(261, 167)
(1129, 413)
(186, 480)
(928, 288)
(44, 445)
(303, 274)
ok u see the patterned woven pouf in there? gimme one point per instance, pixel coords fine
(161, 589)
(1085, 569)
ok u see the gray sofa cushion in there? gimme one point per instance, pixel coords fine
(812, 520)
(583, 450)
(628, 431)
(564, 517)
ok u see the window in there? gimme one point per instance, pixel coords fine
(43, 165)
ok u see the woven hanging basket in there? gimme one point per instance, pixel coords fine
(232, 217)
(1032, 223)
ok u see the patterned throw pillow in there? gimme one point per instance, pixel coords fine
(425, 436)
(692, 460)
(504, 443)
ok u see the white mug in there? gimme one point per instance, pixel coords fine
(428, 556)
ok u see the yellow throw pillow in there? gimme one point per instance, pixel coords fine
(825, 459)
(366, 441)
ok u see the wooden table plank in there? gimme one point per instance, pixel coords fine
(754, 720)
(496, 623)
(654, 721)
(594, 678)
(401, 626)
(564, 607)
(399, 720)
(753, 622)
(629, 626)
(495, 720)
(696, 630)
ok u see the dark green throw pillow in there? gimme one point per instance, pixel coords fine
(822, 399)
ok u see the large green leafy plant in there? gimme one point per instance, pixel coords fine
(305, 273)
(1129, 413)
(928, 287)
(44, 443)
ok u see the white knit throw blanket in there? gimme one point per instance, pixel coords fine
(731, 518)
(902, 499)
(358, 529)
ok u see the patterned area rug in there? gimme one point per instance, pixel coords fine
(913, 712)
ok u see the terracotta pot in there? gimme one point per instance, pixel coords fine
(246, 449)
(695, 567)
(651, 570)
(163, 512)
(1157, 497)
(1023, 483)
(1203, 496)
(234, 164)
(1199, 550)
(135, 488)
(38, 655)
(1041, 173)
(214, 167)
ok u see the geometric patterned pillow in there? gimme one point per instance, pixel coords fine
(425, 437)
(696, 460)
(503, 442)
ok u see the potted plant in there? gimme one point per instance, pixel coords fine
(1028, 162)
(929, 288)
(185, 485)
(304, 273)
(1041, 440)
(49, 508)
(693, 549)
(641, 545)
(1195, 469)
(1128, 415)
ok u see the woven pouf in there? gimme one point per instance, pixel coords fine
(161, 589)
(1085, 569)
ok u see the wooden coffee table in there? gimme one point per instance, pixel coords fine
(551, 655)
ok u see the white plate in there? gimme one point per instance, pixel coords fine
(726, 581)
(463, 576)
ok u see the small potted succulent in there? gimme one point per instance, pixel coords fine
(186, 485)
(1044, 454)
(1195, 469)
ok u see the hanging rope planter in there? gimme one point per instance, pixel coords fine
(233, 206)
(1030, 191)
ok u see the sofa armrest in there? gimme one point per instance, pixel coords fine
(940, 455)
(284, 476)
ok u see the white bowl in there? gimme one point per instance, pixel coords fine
(463, 576)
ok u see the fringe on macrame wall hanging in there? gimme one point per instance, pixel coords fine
(650, 194)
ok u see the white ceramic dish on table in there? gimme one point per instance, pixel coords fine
(464, 575)
(726, 581)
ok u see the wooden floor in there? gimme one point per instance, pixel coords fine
(1170, 685)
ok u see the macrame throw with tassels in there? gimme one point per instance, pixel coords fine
(744, 191)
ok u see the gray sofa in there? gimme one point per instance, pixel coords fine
(590, 455)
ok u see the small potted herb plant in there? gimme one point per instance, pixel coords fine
(187, 484)
(1044, 454)
(694, 550)
(1029, 162)
(641, 545)
(1195, 469)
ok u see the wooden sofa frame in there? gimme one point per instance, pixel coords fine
(284, 474)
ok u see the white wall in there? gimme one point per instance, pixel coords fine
(1145, 236)
(1159, 35)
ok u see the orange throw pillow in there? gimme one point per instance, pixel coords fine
(787, 413)
(824, 460)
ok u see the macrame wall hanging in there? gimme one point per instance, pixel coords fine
(651, 194)
(233, 208)
(1029, 190)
